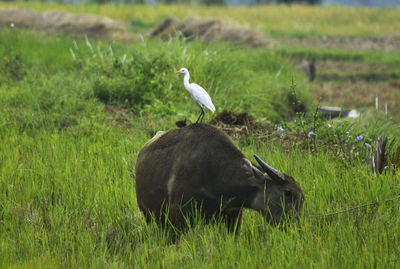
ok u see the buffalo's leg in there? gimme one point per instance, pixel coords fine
(233, 219)
(175, 217)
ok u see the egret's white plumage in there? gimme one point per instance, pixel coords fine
(199, 95)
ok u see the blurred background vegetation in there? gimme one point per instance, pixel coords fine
(369, 3)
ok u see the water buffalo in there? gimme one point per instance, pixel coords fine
(199, 167)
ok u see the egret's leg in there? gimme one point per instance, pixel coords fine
(204, 113)
(201, 114)
(197, 121)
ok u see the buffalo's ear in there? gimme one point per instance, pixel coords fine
(258, 173)
(252, 171)
(272, 173)
(247, 166)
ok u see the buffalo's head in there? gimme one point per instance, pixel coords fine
(282, 194)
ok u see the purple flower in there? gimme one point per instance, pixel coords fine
(310, 133)
(280, 129)
(367, 145)
(360, 137)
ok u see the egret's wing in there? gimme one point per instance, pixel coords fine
(201, 96)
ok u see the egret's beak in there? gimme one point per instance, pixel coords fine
(177, 72)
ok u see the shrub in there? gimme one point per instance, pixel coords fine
(133, 82)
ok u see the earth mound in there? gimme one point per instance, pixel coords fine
(62, 23)
(242, 125)
(238, 124)
(208, 30)
(232, 118)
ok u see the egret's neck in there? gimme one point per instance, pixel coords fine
(186, 79)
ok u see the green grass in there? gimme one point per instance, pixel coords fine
(67, 191)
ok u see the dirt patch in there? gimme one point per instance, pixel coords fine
(62, 23)
(382, 43)
(330, 70)
(326, 66)
(232, 118)
(241, 126)
(349, 66)
(368, 77)
(209, 30)
(118, 116)
(237, 124)
(351, 84)
(359, 95)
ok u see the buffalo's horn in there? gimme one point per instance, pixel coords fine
(273, 173)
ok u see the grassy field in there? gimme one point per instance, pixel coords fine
(75, 113)
(273, 20)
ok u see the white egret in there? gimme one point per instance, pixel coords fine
(199, 95)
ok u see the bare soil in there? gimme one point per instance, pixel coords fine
(329, 66)
(383, 43)
(359, 95)
(241, 126)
